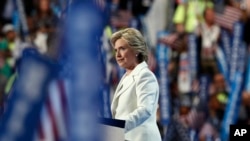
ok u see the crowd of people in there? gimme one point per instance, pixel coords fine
(41, 24)
(204, 120)
(191, 117)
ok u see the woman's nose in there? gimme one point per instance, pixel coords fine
(118, 54)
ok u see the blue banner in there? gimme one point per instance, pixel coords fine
(86, 77)
(105, 91)
(236, 81)
(21, 117)
(162, 58)
(232, 109)
(247, 81)
(226, 46)
(204, 87)
(236, 43)
(241, 63)
(222, 63)
(16, 21)
(192, 56)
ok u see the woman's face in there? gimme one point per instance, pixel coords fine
(124, 54)
(44, 5)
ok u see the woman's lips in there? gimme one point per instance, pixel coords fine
(120, 60)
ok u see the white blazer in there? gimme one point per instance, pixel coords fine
(135, 101)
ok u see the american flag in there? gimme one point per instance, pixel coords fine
(53, 120)
(172, 40)
(229, 16)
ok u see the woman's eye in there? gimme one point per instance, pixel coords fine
(122, 48)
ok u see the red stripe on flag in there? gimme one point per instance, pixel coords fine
(40, 131)
(53, 119)
(62, 93)
(54, 114)
(228, 18)
(172, 40)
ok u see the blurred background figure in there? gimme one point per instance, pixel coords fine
(13, 43)
(209, 33)
(46, 25)
(189, 14)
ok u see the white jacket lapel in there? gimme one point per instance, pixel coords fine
(122, 87)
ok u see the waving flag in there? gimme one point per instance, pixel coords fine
(229, 16)
(171, 40)
(52, 126)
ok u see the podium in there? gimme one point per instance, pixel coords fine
(112, 129)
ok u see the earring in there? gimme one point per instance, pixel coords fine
(136, 55)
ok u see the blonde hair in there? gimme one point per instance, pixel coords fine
(134, 39)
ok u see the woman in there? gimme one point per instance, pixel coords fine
(136, 97)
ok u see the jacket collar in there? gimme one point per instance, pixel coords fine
(123, 87)
(138, 68)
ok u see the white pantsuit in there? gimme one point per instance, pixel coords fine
(135, 101)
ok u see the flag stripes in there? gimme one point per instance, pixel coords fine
(53, 117)
(171, 40)
(228, 17)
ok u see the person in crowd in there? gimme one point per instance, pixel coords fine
(5, 69)
(179, 128)
(5, 73)
(189, 14)
(44, 15)
(218, 98)
(246, 20)
(136, 97)
(219, 86)
(209, 33)
(13, 42)
(211, 128)
(247, 2)
(176, 131)
(46, 25)
(246, 104)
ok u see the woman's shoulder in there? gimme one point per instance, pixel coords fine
(146, 73)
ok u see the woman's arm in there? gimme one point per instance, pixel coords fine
(147, 91)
